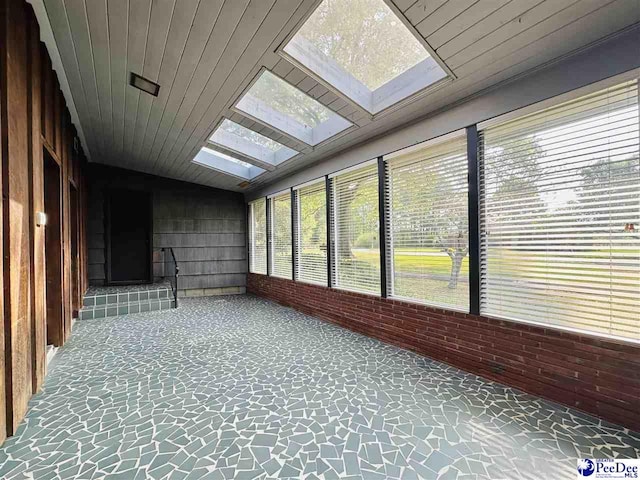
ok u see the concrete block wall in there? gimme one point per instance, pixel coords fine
(205, 227)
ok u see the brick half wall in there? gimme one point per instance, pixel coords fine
(597, 376)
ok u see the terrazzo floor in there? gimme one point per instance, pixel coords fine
(239, 387)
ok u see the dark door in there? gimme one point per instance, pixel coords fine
(74, 219)
(53, 250)
(128, 234)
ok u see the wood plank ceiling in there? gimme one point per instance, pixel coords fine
(204, 53)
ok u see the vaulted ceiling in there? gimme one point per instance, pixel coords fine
(205, 53)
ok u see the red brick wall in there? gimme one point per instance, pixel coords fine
(598, 376)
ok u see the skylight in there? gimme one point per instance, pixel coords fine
(240, 140)
(361, 48)
(210, 158)
(275, 102)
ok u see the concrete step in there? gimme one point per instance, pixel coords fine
(113, 310)
(124, 298)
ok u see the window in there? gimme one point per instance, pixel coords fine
(242, 141)
(428, 225)
(560, 215)
(276, 103)
(258, 236)
(311, 233)
(355, 223)
(280, 231)
(363, 49)
(216, 160)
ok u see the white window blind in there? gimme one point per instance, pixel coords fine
(258, 236)
(427, 223)
(355, 224)
(311, 234)
(560, 215)
(280, 225)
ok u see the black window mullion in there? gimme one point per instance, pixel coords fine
(294, 236)
(269, 239)
(474, 156)
(382, 231)
(327, 186)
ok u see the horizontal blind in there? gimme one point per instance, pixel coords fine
(355, 225)
(258, 236)
(311, 235)
(560, 215)
(280, 224)
(427, 224)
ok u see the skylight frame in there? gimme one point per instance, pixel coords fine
(387, 97)
(281, 122)
(252, 152)
(215, 160)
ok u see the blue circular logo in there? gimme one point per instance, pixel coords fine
(586, 467)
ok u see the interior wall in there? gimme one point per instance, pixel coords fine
(205, 226)
(33, 117)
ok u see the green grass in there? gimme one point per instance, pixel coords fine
(419, 260)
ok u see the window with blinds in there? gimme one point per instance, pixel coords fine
(560, 215)
(258, 236)
(427, 223)
(280, 226)
(355, 225)
(311, 233)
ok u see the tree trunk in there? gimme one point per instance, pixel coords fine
(456, 264)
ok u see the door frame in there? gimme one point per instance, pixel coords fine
(107, 236)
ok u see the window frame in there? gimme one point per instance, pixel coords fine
(363, 98)
(323, 133)
(298, 237)
(252, 242)
(271, 199)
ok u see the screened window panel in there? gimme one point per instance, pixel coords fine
(560, 215)
(258, 236)
(428, 225)
(311, 234)
(355, 225)
(280, 225)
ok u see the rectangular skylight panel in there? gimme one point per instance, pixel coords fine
(221, 162)
(363, 49)
(246, 142)
(276, 103)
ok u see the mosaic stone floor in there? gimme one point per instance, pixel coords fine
(238, 387)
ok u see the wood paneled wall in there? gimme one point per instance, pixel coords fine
(33, 118)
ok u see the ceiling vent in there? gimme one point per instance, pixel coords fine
(144, 84)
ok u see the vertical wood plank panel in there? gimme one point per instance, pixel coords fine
(16, 219)
(3, 156)
(38, 280)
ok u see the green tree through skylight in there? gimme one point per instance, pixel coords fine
(365, 38)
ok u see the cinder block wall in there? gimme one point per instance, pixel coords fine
(205, 226)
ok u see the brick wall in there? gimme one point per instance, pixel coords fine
(598, 376)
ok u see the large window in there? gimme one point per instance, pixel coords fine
(365, 51)
(428, 241)
(355, 225)
(311, 233)
(280, 226)
(560, 215)
(258, 236)
(274, 102)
